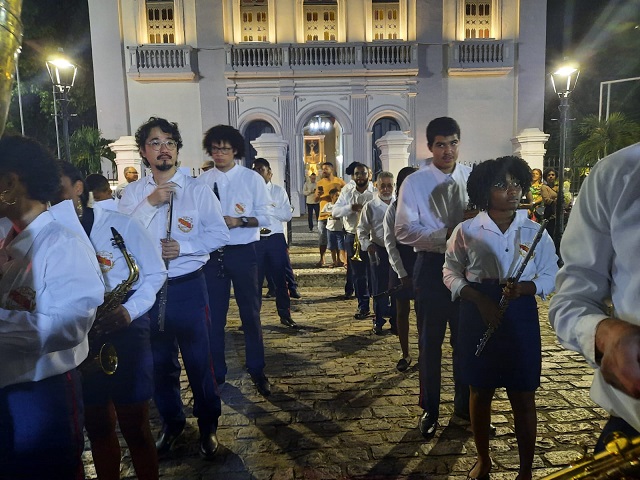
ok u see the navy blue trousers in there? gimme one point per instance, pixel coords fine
(288, 273)
(385, 305)
(359, 272)
(273, 258)
(187, 326)
(237, 264)
(41, 429)
(434, 309)
(312, 208)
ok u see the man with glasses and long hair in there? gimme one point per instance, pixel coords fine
(185, 219)
(246, 208)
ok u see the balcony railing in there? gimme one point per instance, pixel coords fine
(481, 57)
(331, 58)
(150, 63)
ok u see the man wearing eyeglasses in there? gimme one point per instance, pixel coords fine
(185, 219)
(432, 202)
(246, 207)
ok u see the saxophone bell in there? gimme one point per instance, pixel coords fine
(105, 360)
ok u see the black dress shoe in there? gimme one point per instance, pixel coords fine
(294, 294)
(288, 322)
(361, 315)
(166, 440)
(346, 296)
(427, 425)
(208, 446)
(270, 294)
(262, 384)
(377, 330)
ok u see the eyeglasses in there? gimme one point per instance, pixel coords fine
(224, 150)
(157, 144)
(504, 186)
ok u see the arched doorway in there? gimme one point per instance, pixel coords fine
(253, 131)
(380, 128)
(322, 135)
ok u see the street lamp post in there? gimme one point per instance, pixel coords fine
(564, 82)
(63, 74)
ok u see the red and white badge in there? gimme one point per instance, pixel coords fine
(185, 224)
(240, 208)
(21, 298)
(105, 260)
(524, 249)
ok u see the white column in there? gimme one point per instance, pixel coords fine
(529, 145)
(394, 151)
(127, 155)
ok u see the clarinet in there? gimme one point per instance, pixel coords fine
(162, 299)
(504, 301)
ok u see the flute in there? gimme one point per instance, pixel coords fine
(162, 299)
(504, 301)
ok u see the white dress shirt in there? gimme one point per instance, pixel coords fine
(108, 204)
(197, 222)
(601, 262)
(139, 245)
(389, 223)
(50, 288)
(243, 193)
(430, 203)
(371, 225)
(342, 208)
(280, 208)
(478, 250)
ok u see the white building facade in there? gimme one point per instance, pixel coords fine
(330, 77)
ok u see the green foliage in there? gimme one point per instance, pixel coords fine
(602, 137)
(88, 148)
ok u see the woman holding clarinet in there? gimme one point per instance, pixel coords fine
(483, 256)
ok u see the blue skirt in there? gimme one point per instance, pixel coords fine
(512, 358)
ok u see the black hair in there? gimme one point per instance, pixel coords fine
(547, 171)
(328, 163)
(402, 174)
(443, 126)
(221, 134)
(359, 165)
(262, 161)
(33, 164)
(332, 191)
(484, 175)
(166, 126)
(97, 183)
(74, 175)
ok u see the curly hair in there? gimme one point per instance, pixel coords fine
(33, 164)
(166, 126)
(484, 175)
(224, 133)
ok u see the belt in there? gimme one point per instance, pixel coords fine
(185, 277)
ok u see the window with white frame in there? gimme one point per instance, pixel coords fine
(477, 19)
(385, 17)
(320, 20)
(161, 27)
(254, 18)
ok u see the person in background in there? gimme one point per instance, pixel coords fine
(100, 189)
(122, 397)
(130, 175)
(313, 207)
(483, 253)
(207, 165)
(595, 310)
(432, 202)
(327, 183)
(539, 196)
(401, 258)
(273, 251)
(246, 207)
(50, 288)
(335, 232)
(185, 220)
(370, 232)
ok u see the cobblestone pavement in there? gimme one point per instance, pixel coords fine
(340, 410)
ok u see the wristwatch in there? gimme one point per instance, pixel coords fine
(245, 222)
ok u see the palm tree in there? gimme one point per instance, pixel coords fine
(88, 148)
(604, 137)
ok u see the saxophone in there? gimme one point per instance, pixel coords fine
(620, 459)
(102, 355)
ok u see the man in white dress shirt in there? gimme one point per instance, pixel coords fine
(195, 229)
(246, 208)
(432, 202)
(273, 251)
(601, 264)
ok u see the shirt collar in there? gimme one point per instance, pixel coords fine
(22, 243)
(178, 178)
